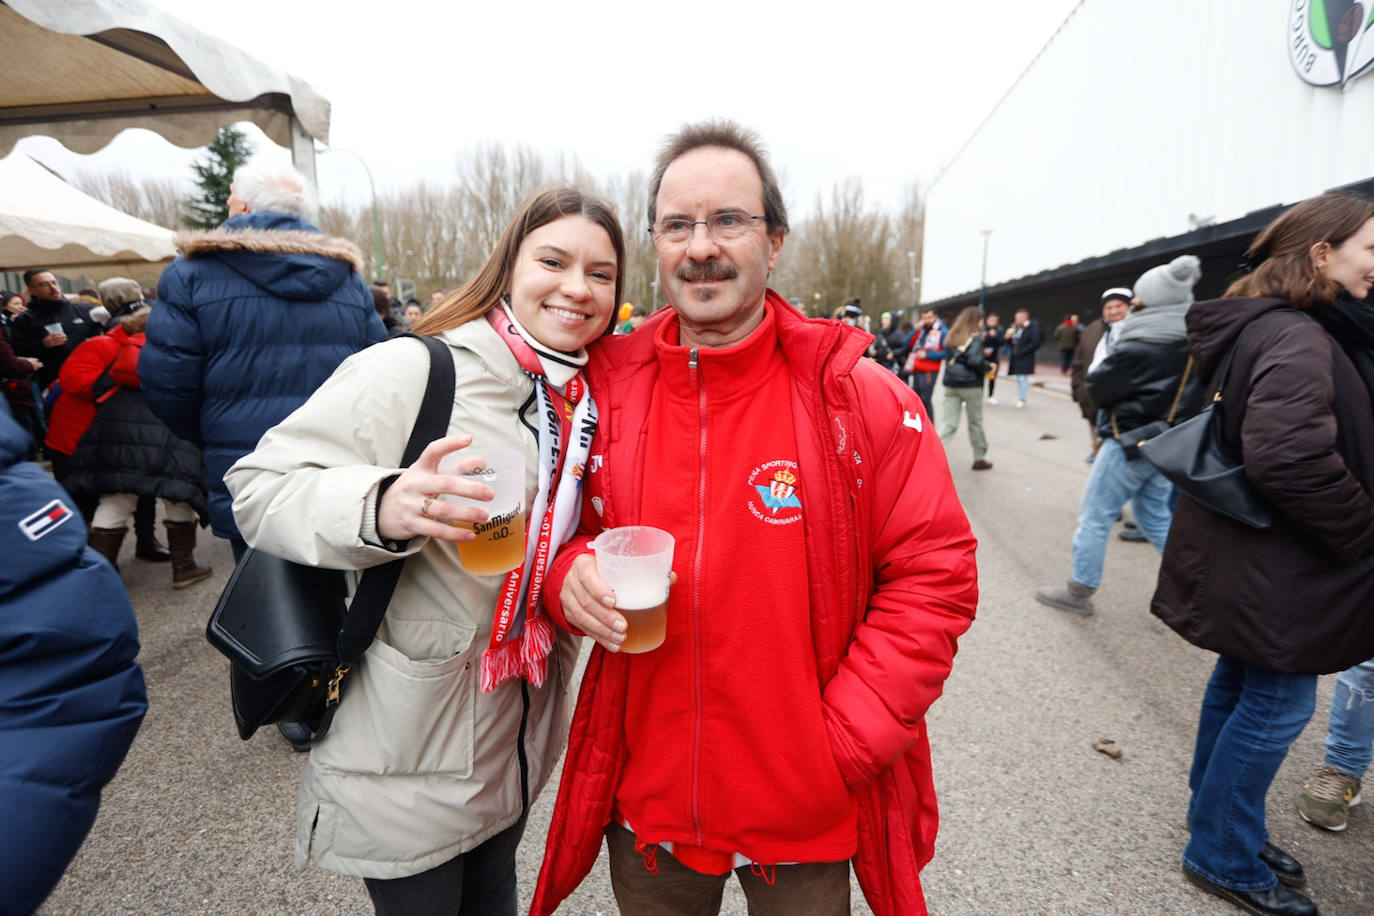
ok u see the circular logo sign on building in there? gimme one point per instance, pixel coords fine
(1330, 42)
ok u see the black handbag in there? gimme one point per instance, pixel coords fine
(1194, 456)
(288, 630)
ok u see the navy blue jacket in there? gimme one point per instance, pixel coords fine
(71, 694)
(250, 320)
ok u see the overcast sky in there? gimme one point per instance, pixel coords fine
(885, 91)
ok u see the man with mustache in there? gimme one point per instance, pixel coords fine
(824, 572)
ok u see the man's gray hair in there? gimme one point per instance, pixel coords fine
(266, 187)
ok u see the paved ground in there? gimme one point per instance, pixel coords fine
(1034, 821)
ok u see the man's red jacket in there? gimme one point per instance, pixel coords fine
(890, 558)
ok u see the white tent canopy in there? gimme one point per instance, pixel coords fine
(45, 222)
(82, 71)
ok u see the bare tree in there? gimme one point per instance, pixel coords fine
(842, 249)
(439, 234)
(156, 200)
(909, 232)
(630, 195)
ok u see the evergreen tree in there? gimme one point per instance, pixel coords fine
(226, 152)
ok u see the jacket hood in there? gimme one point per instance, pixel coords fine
(285, 255)
(1214, 325)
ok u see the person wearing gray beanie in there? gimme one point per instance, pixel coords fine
(1169, 284)
(122, 297)
(1164, 294)
(1141, 387)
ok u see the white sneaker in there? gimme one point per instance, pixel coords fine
(1020, 404)
(992, 401)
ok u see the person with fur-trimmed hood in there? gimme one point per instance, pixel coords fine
(252, 317)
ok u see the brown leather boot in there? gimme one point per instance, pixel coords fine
(148, 547)
(106, 542)
(181, 543)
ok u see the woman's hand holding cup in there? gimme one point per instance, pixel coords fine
(411, 507)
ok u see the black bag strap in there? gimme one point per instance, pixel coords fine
(1173, 408)
(370, 601)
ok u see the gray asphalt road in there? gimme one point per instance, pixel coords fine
(1033, 820)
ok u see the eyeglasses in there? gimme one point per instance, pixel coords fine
(720, 226)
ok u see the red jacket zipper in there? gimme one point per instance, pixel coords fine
(696, 592)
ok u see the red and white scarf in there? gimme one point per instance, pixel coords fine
(522, 634)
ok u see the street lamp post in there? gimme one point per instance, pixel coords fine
(376, 218)
(915, 297)
(983, 282)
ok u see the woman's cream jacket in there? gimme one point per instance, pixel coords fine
(419, 765)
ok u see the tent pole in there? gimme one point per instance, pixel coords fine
(303, 155)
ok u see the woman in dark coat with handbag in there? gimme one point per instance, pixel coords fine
(1283, 604)
(127, 452)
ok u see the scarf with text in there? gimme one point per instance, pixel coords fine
(522, 635)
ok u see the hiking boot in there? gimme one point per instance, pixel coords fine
(1327, 797)
(106, 542)
(1071, 596)
(181, 541)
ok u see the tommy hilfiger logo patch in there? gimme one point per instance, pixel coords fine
(41, 523)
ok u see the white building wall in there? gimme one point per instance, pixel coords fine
(1134, 116)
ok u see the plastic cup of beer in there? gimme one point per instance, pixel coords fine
(500, 543)
(636, 562)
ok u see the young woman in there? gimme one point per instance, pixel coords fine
(965, 368)
(1284, 604)
(992, 348)
(124, 452)
(11, 306)
(422, 784)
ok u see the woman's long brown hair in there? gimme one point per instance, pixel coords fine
(482, 293)
(1282, 250)
(968, 325)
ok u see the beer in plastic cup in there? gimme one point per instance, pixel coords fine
(636, 561)
(500, 543)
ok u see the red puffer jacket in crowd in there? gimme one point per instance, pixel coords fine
(82, 387)
(892, 577)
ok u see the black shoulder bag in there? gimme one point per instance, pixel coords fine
(288, 631)
(1141, 434)
(1194, 456)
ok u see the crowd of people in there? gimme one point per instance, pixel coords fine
(267, 391)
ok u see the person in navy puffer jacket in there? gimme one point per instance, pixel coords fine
(252, 318)
(71, 693)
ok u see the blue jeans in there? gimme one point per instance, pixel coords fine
(1249, 720)
(1022, 386)
(1113, 482)
(1350, 728)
